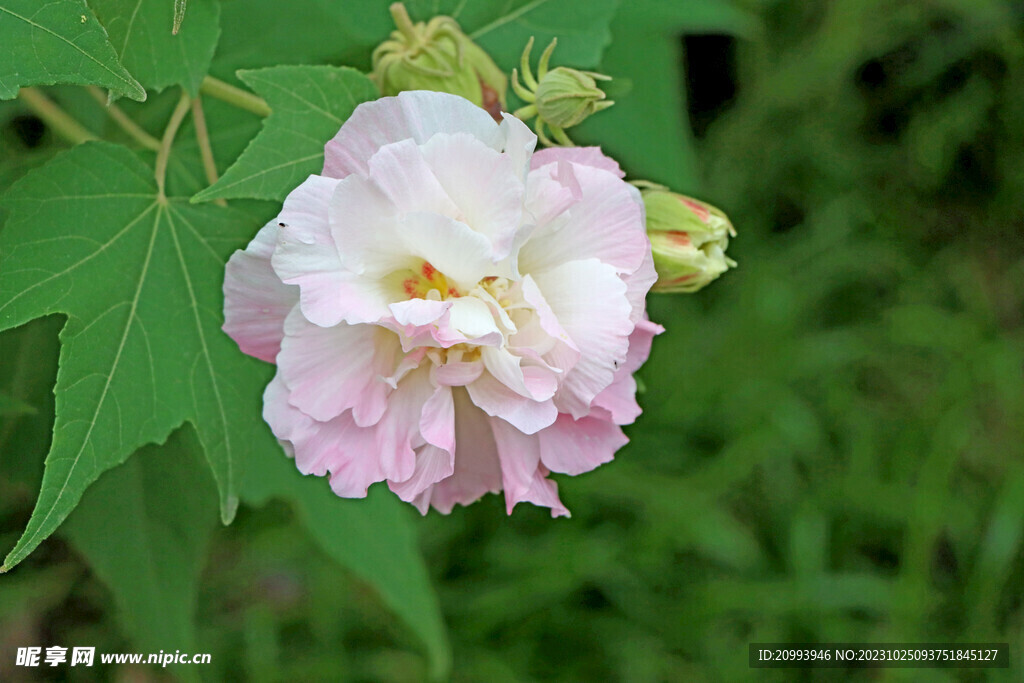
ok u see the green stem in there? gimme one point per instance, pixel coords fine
(234, 96)
(56, 118)
(126, 124)
(164, 153)
(205, 150)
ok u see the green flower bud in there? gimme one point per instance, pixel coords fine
(566, 96)
(688, 240)
(560, 98)
(437, 56)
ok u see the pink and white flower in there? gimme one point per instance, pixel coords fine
(448, 310)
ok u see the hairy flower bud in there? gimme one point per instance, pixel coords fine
(437, 56)
(688, 240)
(560, 98)
(566, 96)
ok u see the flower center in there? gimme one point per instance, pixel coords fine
(418, 284)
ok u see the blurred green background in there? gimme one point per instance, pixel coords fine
(831, 449)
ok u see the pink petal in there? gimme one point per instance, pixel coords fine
(538, 384)
(329, 370)
(551, 191)
(432, 465)
(497, 400)
(286, 421)
(418, 115)
(576, 446)
(458, 374)
(638, 284)
(477, 470)
(619, 397)
(584, 156)
(607, 223)
(417, 312)
(255, 300)
(397, 433)
(519, 455)
(544, 492)
(437, 421)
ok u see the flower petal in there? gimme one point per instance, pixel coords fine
(477, 470)
(519, 455)
(307, 256)
(606, 223)
(414, 114)
(497, 400)
(619, 397)
(584, 156)
(589, 301)
(482, 183)
(432, 465)
(544, 492)
(403, 173)
(255, 300)
(329, 370)
(450, 246)
(577, 446)
(437, 421)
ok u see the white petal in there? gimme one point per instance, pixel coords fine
(307, 256)
(589, 301)
(451, 247)
(418, 115)
(405, 176)
(484, 184)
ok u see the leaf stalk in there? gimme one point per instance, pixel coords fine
(164, 153)
(236, 97)
(117, 115)
(56, 118)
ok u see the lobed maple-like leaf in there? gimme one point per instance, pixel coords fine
(60, 41)
(142, 33)
(309, 104)
(139, 280)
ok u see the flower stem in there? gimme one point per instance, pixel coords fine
(56, 118)
(164, 153)
(205, 150)
(126, 124)
(236, 97)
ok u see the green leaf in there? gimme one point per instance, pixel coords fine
(503, 29)
(140, 281)
(373, 537)
(42, 43)
(144, 528)
(309, 105)
(142, 33)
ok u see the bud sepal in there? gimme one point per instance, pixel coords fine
(688, 239)
(437, 56)
(560, 98)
